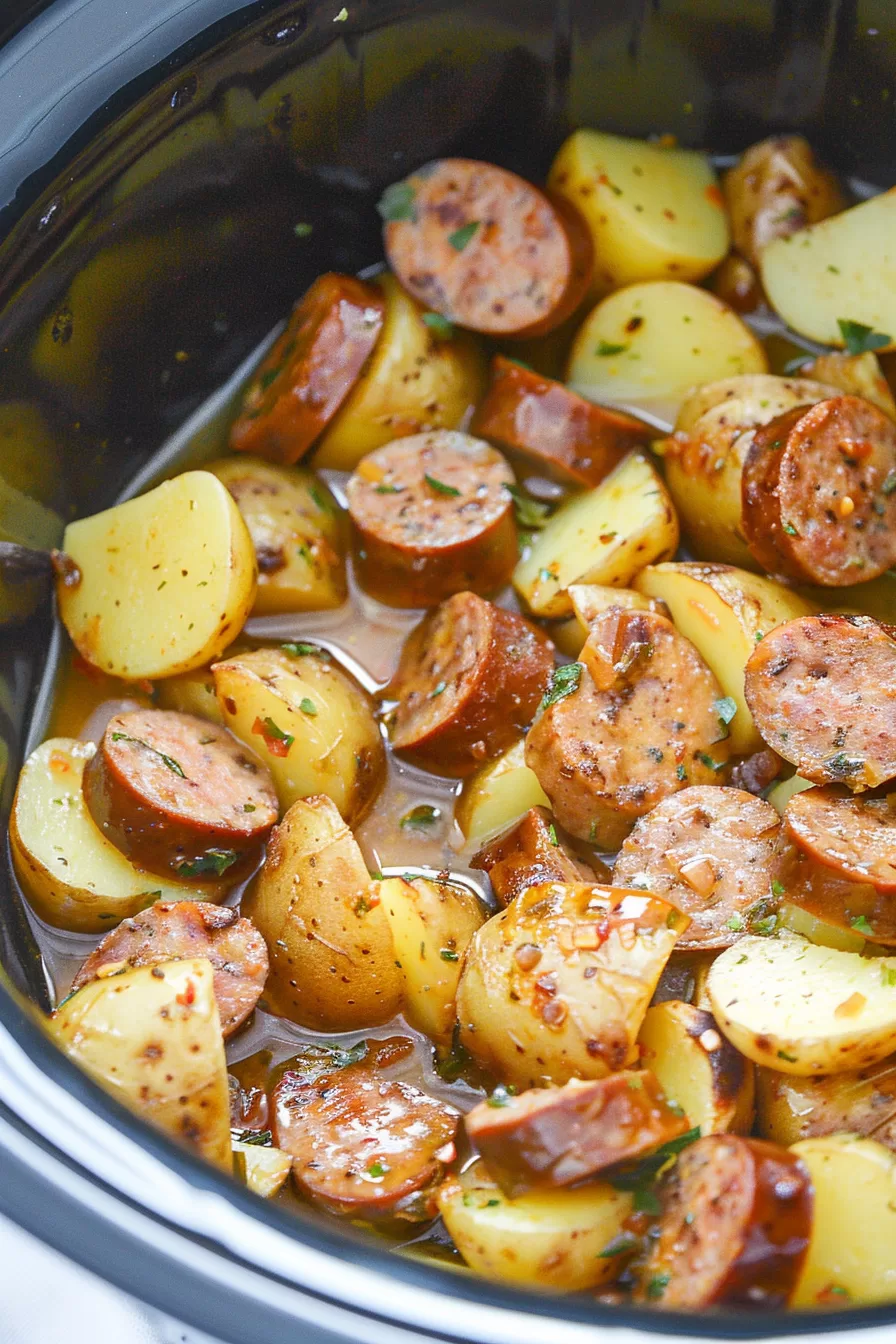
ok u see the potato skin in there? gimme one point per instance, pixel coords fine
(775, 189)
(336, 749)
(556, 986)
(698, 1068)
(332, 957)
(789, 1109)
(153, 1039)
(498, 795)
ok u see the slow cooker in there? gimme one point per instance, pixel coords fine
(154, 158)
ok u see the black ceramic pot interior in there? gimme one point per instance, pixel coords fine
(166, 222)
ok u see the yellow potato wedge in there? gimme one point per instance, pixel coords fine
(859, 375)
(852, 1253)
(552, 1239)
(585, 1027)
(497, 796)
(264, 1170)
(333, 964)
(297, 529)
(817, 931)
(432, 926)
(27, 523)
(789, 1109)
(414, 381)
(800, 1008)
(781, 793)
(653, 212)
(698, 1068)
(603, 536)
(646, 347)
(166, 580)
(191, 693)
(313, 728)
(152, 1037)
(75, 878)
(724, 611)
(705, 456)
(842, 268)
(776, 188)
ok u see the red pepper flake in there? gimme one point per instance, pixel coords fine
(714, 196)
(85, 669)
(188, 998)
(277, 742)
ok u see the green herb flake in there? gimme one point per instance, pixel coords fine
(448, 954)
(397, 202)
(215, 861)
(500, 1097)
(778, 888)
(552, 832)
(861, 925)
(709, 762)
(378, 1169)
(547, 576)
(255, 1138)
(439, 689)
(303, 650)
(169, 761)
(564, 681)
(607, 348)
(530, 513)
(888, 976)
(341, 16)
(303, 230)
(459, 239)
(680, 772)
(440, 487)
(277, 734)
(735, 923)
(307, 707)
(789, 529)
(249, 807)
(725, 708)
(384, 488)
(889, 484)
(422, 815)
(790, 1059)
(656, 1286)
(441, 328)
(858, 338)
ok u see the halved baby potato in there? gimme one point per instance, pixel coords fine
(162, 583)
(297, 529)
(852, 1253)
(698, 1068)
(432, 926)
(603, 536)
(75, 878)
(842, 268)
(800, 1008)
(332, 958)
(415, 380)
(313, 727)
(152, 1037)
(653, 211)
(646, 347)
(864, 1102)
(724, 611)
(553, 1239)
(501, 792)
(858, 375)
(556, 986)
(264, 1170)
(191, 693)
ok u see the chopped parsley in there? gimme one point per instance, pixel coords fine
(790, 1059)
(888, 976)
(861, 925)
(439, 689)
(889, 484)
(778, 888)
(709, 762)
(463, 235)
(440, 327)
(277, 742)
(303, 230)
(564, 681)
(858, 338)
(640, 1177)
(440, 487)
(656, 1286)
(255, 1138)
(303, 650)
(448, 954)
(680, 772)
(307, 707)
(397, 202)
(423, 815)
(726, 708)
(735, 923)
(500, 1097)
(620, 1245)
(529, 512)
(606, 348)
(378, 1169)
(384, 488)
(215, 861)
(169, 761)
(552, 832)
(789, 529)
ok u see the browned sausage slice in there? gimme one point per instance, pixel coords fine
(818, 502)
(735, 1227)
(823, 892)
(636, 723)
(363, 1145)
(708, 851)
(528, 854)
(487, 249)
(311, 369)
(855, 837)
(176, 931)
(560, 1135)
(822, 692)
(432, 515)
(555, 427)
(177, 793)
(470, 677)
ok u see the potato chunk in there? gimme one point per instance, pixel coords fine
(604, 536)
(551, 1239)
(297, 530)
(75, 878)
(698, 1068)
(556, 986)
(312, 726)
(263, 1169)
(498, 795)
(789, 1108)
(164, 582)
(801, 1008)
(776, 188)
(153, 1039)
(652, 211)
(647, 346)
(333, 964)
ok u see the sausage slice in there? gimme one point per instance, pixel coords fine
(470, 677)
(177, 793)
(553, 426)
(735, 1227)
(432, 515)
(528, 854)
(854, 837)
(363, 1145)
(488, 250)
(177, 931)
(708, 851)
(817, 494)
(822, 692)
(637, 722)
(823, 892)
(557, 1136)
(311, 369)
